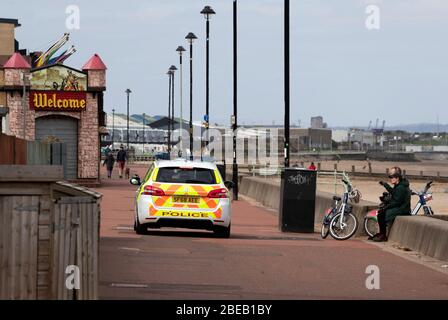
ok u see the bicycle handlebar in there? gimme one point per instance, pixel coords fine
(428, 185)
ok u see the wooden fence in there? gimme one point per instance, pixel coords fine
(45, 227)
(75, 242)
(18, 246)
(15, 151)
(38, 153)
(12, 150)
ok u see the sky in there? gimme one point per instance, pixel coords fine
(339, 69)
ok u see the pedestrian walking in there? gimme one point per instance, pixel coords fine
(109, 163)
(122, 157)
(107, 150)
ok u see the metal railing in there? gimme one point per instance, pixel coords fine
(338, 177)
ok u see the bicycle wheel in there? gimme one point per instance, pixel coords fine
(325, 230)
(371, 226)
(343, 230)
(428, 211)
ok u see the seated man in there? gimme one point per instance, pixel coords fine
(399, 205)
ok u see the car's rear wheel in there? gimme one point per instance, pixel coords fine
(139, 228)
(222, 232)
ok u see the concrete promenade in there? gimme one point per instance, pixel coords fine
(257, 262)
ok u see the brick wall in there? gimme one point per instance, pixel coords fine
(16, 114)
(14, 100)
(13, 77)
(97, 78)
(88, 140)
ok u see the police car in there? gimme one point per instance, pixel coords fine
(183, 194)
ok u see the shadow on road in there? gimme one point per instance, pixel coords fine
(259, 237)
(205, 234)
(177, 233)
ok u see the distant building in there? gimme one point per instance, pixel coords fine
(440, 148)
(151, 136)
(117, 128)
(361, 139)
(413, 148)
(307, 139)
(417, 148)
(340, 135)
(318, 123)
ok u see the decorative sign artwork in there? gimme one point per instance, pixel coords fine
(58, 78)
(57, 101)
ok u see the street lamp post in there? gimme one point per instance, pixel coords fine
(235, 97)
(113, 128)
(287, 82)
(169, 73)
(144, 115)
(181, 50)
(173, 70)
(128, 92)
(207, 12)
(190, 38)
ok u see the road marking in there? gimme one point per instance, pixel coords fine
(129, 249)
(129, 285)
(124, 228)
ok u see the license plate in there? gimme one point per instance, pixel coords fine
(185, 199)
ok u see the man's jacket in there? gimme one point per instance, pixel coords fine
(121, 155)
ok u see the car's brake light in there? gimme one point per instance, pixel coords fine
(218, 193)
(153, 191)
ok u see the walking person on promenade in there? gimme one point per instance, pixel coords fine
(122, 157)
(109, 163)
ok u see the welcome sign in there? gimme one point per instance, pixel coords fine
(58, 100)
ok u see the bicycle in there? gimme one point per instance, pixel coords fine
(339, 220)
(329, 214)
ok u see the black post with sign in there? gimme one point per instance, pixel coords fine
(297, 200)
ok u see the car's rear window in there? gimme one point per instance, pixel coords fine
(186, 175)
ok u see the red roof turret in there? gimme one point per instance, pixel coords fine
(16, 62)
(94, 63)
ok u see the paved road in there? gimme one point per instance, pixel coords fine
(258, 262)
